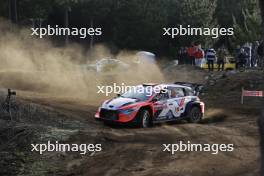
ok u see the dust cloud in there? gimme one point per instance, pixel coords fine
(36, 65)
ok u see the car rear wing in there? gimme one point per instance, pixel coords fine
(197, 88)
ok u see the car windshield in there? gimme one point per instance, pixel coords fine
(140, 93)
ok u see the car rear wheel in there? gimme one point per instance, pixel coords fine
(144, 118)
(195, 115)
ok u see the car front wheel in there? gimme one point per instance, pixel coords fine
(145, 118)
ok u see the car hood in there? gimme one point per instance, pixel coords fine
(118, 102)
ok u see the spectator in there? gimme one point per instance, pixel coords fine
(260, 49)
(254, 58)
(191, 51)
(221, 58)
(247, 48)
(199, 55)
(260, 52)
(186, 57)
(182, 55)
(236, 54)
(242, 58)
(210, 57)
(250, 45)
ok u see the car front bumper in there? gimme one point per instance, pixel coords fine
(115, 116)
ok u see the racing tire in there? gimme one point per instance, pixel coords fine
(195, 115)
(144, 119)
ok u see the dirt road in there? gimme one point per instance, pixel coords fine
(133, 151)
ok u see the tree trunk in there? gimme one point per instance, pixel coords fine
(66, 16)
(91, 37)
(261, 4)
(13, 16)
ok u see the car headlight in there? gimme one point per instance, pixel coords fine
(128, 111)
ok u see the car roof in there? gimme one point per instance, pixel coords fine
(174, 85)
(165, 85)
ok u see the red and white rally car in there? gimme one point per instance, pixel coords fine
(154, 103)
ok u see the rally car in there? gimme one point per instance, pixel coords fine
(153, 103)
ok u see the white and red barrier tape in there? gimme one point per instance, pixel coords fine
(250, 93)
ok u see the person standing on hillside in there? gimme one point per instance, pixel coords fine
(182, 56)
(186, 56)
(254, 59)
(191, 51)
(236, 54)
(260, 52)
(199, 55)
(247, 48)
(242, 59)
(210, 58)
(221, 59)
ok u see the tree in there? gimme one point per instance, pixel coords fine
(34, 9)
(243, 15)
(4, 8)
(138, 24)
(248, 31)
(261, 4)
(194, 13)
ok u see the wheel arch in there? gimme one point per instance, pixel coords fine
(138, 117)
(149, 108)
(190, 105)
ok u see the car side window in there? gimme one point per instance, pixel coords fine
(162, 96)
(176, 92)
(188, 92)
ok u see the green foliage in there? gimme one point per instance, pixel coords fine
(194, 13)
(261, 4)
(249, 30)
(244, 16)
(137, 24)
(4, 8)
(34, 9)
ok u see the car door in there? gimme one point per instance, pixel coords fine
(160, 106)
(176, 102)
